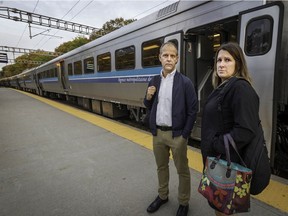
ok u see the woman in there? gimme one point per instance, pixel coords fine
(239, 113)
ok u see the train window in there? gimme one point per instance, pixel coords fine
(104, 62)
(52, 72)
(89, 65)
(150, 53)
(70, 69)
(125, 58)
(77, 67)
(258, 36)
(55, 72)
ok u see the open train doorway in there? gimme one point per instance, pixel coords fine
(200, 47)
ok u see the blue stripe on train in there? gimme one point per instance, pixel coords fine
(129, 76)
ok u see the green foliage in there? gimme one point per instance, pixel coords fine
(110, 26)
(73, 44)
(25, 61)
(28, 61)
(11, 70)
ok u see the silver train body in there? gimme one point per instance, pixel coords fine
(109, 75)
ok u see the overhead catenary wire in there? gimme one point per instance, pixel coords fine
(25, 27)
(70, 19)
(41, 43)
(57, 30)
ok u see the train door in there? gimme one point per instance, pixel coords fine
(200, 45)
(259, 38)
(38, 83)
(37, 77)
(62, 77)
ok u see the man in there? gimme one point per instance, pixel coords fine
(172, 102)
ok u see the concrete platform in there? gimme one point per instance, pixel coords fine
(53, 163)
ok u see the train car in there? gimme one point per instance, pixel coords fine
(5, 82)
(109, 75)
(27, 80)
(14, 81)
(47, 80)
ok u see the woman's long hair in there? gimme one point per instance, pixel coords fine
(240, 67)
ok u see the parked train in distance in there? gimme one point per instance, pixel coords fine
(109, 75)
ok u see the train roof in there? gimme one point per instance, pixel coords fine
(164, 13)
(158, 16)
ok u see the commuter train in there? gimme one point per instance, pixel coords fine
(109, 75)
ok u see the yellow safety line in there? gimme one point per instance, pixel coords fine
(276, 194)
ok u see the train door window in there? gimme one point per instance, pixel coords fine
(258, 39)
(104, 62)
(174, 41)
(77, 67)
(89, 65)
(70, 69)
(150, 53)
(125, 58)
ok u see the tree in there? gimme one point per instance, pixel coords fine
(27, 61)
(73, 44)
(110, 26)
(11, 70)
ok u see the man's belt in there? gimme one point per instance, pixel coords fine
(164, 128)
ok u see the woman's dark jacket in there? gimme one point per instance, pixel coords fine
(239, 117)
(184, 105)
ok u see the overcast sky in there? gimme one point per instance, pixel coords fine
(87, 12)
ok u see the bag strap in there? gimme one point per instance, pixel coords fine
(229, 140)
(227, 137)
(216, 159)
